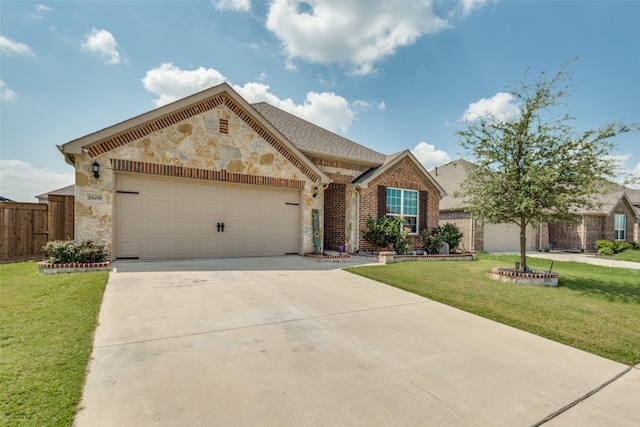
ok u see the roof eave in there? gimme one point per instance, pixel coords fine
(405, 154)
(321, 155)
(76, 146)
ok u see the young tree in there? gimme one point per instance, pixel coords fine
(534, 166)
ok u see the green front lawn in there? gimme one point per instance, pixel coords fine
(628, 255)
(46, 336)
(596, 309)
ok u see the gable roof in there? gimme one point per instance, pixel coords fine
(610, 199)
(132, 129)
(69, 190)
(316, 141)
(451, 176)
(392, 160)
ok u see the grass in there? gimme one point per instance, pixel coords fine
(46, 334)
(596, 309)
(628, 255)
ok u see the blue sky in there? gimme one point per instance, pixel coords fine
(390, 75)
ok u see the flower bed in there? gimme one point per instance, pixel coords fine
(338, 257)
(49, 268)
(389, 257)
(534, 278)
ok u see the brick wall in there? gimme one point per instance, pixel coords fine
(334, 216)
(583, 235)
(566, 236)
(464, 222)
(404, 175)
(579, 236)
(609, 225)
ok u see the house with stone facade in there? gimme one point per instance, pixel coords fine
(615, 219)
(212, 175)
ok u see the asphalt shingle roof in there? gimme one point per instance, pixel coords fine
(310, 138)
(450, 177)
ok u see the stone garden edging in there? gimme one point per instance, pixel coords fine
(48, 268)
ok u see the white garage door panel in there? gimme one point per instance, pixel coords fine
(505, 238)
(177, 218)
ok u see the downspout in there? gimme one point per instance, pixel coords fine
(357, 245)
(584, 235)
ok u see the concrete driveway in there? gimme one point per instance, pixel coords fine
(288, 341)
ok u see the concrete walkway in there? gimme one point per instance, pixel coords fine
(288, 341)
(587, 258)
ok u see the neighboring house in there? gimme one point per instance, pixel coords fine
(477, 235)
(616, 219)
(4, 199)
(211, 175)
(64, 191)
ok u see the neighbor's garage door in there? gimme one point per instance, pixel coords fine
(505, 238)
(158, 217)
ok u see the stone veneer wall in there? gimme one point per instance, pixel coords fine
(239, 150)
(403, 175)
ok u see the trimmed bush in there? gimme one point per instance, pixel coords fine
(386, 232)
(433, 238)
(74, 251)
(612, 247)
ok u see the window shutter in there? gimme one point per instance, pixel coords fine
(424, 209)
(382, 201)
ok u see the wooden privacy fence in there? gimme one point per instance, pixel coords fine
(26, 227)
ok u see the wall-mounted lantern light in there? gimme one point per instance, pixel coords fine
(95, 168)
(315, 191)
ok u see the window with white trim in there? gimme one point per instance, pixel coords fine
(620, 227)
(403, 203)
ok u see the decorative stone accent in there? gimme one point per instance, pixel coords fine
(48, 268)
(184, 145)
(329, 258)
(388, 257)
(535, 278)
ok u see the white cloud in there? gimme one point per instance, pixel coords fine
(234, 5)
(10, 47)
(43, 8)
(366, 106)
(429, 156)
(355, 33)
(6, 94)
(326, 109)
(501, 106)
(103, 44)
(21, 181)
(171, 83)
(469, 5)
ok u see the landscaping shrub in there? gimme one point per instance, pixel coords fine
(433, 238)
(612, 247)
(388, 231)
(74, 251)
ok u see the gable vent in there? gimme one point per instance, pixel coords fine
(224, 126)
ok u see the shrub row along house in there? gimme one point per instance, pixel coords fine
(211, 175)
(617, 218)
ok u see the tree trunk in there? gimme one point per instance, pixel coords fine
(523, 246)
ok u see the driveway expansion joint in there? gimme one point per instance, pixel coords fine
(582, 398)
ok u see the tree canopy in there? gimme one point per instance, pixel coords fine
(533, 166)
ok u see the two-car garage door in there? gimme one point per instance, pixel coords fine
(159, 218)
